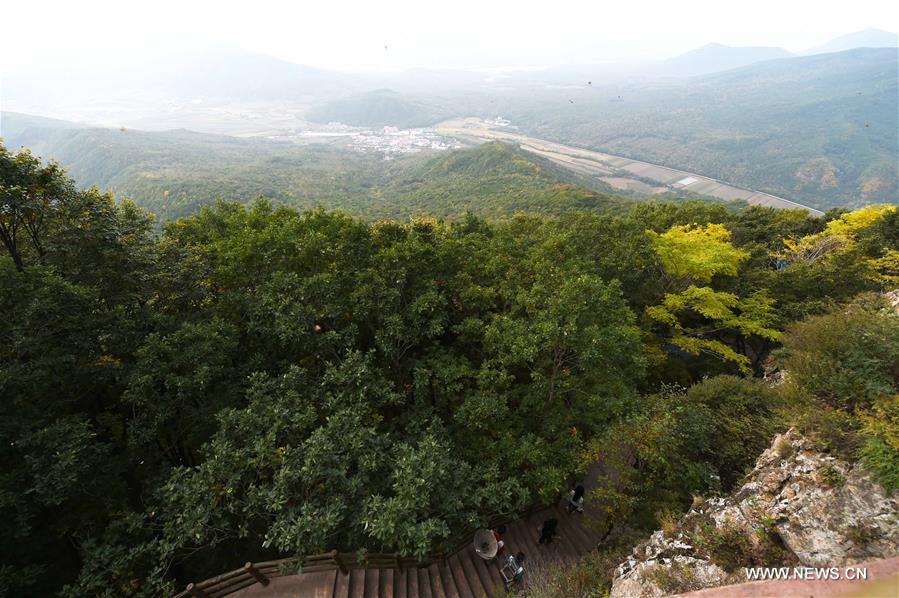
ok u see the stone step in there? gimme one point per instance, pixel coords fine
(357, 583)
(341, 585)
(424, 583)
(437, 590)
(458, 572)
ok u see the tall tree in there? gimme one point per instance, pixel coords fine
(29, 193)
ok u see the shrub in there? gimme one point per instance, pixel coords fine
(742, 419)
(668, 522)
(676, 578)
(726, 546)
(834, 430)
(589, 577)
(769, 548)
(831, 476)
(845, 359)
(879, 449)
(783, 448)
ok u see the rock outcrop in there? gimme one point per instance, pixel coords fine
(799, 506)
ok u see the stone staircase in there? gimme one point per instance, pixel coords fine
(463, 575)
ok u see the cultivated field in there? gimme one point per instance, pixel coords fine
(620, 172)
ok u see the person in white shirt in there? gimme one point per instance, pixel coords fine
(576, 500)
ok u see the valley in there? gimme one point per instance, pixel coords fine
(619, 172)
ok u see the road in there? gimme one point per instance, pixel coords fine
(620, 172)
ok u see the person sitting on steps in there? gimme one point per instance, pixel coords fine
(513, 572)
(498, 532)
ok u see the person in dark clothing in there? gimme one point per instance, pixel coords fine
(548, 531)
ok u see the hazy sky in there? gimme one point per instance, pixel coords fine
(352, 35)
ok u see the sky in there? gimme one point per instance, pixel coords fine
(372, 35)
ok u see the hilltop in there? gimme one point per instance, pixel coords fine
(867, 38)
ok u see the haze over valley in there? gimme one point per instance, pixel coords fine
(718, 111)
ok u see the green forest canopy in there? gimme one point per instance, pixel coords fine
(256, 381)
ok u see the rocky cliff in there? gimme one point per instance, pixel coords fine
(799, 506)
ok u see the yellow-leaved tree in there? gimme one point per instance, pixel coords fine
(839, 235)
(699, 319)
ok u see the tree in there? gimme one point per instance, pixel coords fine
(838, 235)
(702, 319)
(696, 253)
(29, 194)
(177, 384)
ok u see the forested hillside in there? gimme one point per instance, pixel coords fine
(255, 381)
(819, 130)
(174, 174)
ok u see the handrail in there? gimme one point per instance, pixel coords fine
(262, 572)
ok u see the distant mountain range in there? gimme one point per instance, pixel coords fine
(715, 57)
(868, 38)
(820, 129)
(236, 75)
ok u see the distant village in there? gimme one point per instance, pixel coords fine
(389, 141)
(392, 141)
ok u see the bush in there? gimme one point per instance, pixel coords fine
(727, 546)
(845, 359)
(589, 577)
(668, 522)
(831, 476)
(834, 430)
(742, 417)
(784, 449)
(675, 578)
(879, 449)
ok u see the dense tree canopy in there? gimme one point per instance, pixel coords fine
(254, 381)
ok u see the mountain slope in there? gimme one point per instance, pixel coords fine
(174, 173)
(379, 108)
(820, 130)
(494, 179)
(200, 87)
(868, 38)
(786, 513)
(713, 58)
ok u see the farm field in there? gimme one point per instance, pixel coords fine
(618, 171)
